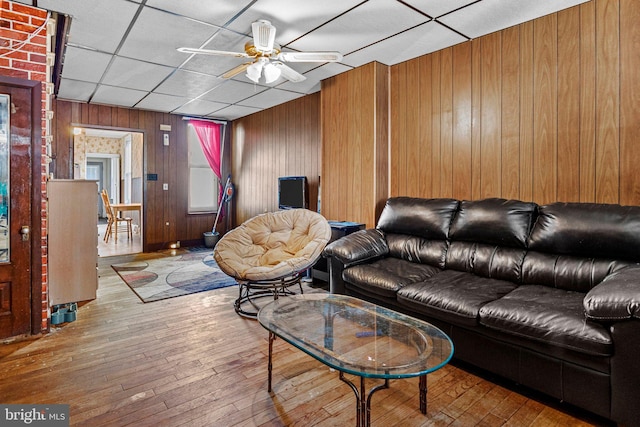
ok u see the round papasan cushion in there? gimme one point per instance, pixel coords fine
(273, 245)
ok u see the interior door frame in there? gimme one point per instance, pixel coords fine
(143, 215)
(36, 196)
(113, 183)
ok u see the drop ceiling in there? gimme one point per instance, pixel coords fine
(123, 52)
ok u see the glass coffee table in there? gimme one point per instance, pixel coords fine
(360, 338)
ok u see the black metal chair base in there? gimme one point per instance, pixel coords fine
(250, 291)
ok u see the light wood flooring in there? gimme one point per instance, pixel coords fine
(124, 245)
(192, 361)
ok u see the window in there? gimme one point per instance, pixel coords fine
(203, 183)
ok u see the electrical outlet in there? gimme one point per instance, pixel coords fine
(165, 186)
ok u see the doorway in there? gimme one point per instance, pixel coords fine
(113, 158)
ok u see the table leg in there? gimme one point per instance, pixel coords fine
(423, 394)
(363, 400)
(365, 411)
(272, 337)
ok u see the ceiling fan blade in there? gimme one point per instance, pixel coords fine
(213, 52)
(310, 56)
(236, 70)
(289, 73)
(264, 35)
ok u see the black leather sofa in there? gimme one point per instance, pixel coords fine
(546, 296)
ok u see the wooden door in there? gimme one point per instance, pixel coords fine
(20, 296)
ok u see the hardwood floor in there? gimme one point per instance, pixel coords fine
(192, 361)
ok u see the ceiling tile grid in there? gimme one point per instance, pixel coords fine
(124, 52)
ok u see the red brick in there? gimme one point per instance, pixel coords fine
(23, 56)
(39, 40)
(37, 21)
(11, 35)
(15, 17)
(28, 10)
(25, 28)
(15, 73)
(36, 48)
(36, 57)
(40, 77)
(4, 63)
(25, 65)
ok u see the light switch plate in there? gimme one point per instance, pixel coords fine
(165, 138)
(165, 186)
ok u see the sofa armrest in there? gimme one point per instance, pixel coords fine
(616, 298)
(358, 247)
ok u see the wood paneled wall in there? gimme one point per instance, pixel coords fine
(355, 119)
(169, 163)
(280, 141)
(545, 111)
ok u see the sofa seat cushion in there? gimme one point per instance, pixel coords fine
(386, 276)
(453, 296)
(548, 315)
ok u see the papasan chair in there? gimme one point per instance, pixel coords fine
(268, 253)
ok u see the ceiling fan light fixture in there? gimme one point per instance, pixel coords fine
(254, 71)
(271, 73)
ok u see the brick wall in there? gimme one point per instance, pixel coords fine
(24, 43)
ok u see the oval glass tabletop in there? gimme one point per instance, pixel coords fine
(358, 337)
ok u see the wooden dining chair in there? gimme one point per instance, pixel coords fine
(115, 223)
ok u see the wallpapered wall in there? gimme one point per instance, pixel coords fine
(83, 144)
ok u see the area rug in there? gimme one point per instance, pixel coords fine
(173, 276)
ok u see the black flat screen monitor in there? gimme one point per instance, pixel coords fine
(292, 192)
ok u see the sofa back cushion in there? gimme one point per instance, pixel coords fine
(494, 262)
(417, 249)
(498, 222)
(588, 230)
(427, 218)
(567, 272)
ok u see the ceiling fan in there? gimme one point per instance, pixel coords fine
(266, 57)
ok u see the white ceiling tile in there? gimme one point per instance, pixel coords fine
(233, 91)
(269, 98)
(218, 12)
(156, 35)
(314, 77)
(218, 65)
(160, 102)
(134, 74)
(387, 31)
(233, 112)
(83, 64)
(187, 83)
(200, 107)
(435, 8)
(488, 16)
(292, 18)
(117, 96)
(418, 41)
(368, 23)
(104, 33)
(75, 90)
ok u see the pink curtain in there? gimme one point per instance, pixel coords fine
(209, 137)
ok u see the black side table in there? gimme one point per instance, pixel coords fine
(320, 270)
